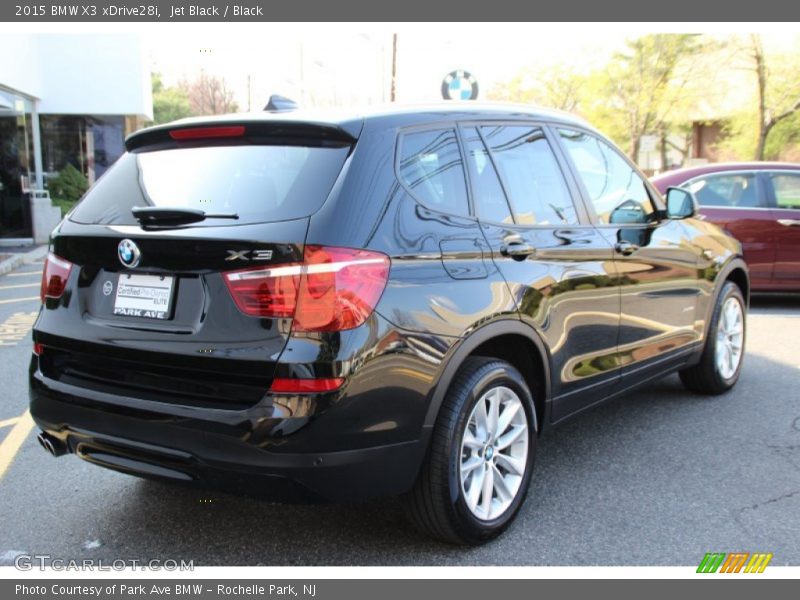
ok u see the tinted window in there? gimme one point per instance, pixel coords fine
(531, 175)
(787, 190)
(259, 183)
(430, 165)
(733, 190)
(617, 192)
(490, 200)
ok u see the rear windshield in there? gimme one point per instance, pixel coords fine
(258, 183)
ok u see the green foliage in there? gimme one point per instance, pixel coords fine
(67, 187)
(169, 103)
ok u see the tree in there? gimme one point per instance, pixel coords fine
(169, 103)
(777, 94)
(644, 86)
(209, 95)
(557, 87)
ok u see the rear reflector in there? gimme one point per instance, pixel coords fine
(200, 133)
(54, 276)
(38, 348)
(305, 386)
(332, 290)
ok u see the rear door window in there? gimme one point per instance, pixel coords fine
(490, 200)
(530, 173)
(257, 183)
(787, 189)
(430, 167)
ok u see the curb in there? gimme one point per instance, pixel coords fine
(17, 260)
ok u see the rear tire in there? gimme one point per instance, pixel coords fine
(723, 354)
(478, 467)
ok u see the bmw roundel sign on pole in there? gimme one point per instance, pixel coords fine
(459, 85)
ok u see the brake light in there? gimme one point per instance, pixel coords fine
(54, 276)
(305, 386)
(332, 290)
(200, 133)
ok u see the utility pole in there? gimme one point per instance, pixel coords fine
(249, 95)
(393, 91)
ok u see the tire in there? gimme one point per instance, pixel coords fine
(439, 505)
(712, 375)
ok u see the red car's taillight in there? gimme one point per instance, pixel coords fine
(332, 290)
(54, 276)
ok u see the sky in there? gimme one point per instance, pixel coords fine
(340, 64)
(350, 64)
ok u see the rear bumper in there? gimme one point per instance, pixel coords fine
(225, 453)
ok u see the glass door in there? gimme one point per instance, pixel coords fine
(16, 165)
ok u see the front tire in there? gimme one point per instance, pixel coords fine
(478, 468)
(723, 354)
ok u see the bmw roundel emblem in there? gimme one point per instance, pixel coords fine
(460, 85)
(129, 253)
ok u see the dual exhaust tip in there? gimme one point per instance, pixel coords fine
(54, 446)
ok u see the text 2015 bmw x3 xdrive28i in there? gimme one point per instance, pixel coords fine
(342, 307)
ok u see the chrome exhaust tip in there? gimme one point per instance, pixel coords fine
(52, 445)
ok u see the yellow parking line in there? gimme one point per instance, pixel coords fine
(20, 299)
(13, 441)
(8, 422)
(19, 285)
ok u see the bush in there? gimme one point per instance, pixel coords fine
(68, 186)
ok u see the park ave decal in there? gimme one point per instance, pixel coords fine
(169, 589)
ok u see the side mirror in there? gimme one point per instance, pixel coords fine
(681, 203)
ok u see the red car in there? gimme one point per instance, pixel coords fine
(759, 204)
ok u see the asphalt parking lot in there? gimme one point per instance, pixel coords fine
(659, 477)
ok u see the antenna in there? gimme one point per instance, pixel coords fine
(280, 103)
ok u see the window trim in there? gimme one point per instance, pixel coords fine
(652, 192)
(572, 190)
(438, 126)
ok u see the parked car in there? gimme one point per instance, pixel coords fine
(759, 204)
(349, 306)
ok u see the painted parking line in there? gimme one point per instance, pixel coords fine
(16, 328)
(25, 274)
(18, 286)
(8, 422)
(14, 440)
(26, 299)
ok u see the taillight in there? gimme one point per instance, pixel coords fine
(38, 349)
(201, 133)
(54, 276)
(332, 290)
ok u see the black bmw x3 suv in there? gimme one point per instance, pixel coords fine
(347, 306)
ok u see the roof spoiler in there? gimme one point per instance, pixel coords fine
(181, 135)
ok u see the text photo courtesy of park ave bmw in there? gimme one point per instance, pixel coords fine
(395, 295)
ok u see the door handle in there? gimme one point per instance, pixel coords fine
(518, 250)
(625, 248)
(790, 222)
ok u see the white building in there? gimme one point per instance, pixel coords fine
(64, 100)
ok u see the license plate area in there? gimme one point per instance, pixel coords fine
(144, 296)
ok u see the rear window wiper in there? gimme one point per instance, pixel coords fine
(165, 216)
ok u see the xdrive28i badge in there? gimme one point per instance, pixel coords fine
(129, 253)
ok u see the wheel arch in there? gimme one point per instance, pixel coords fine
(509, 340)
